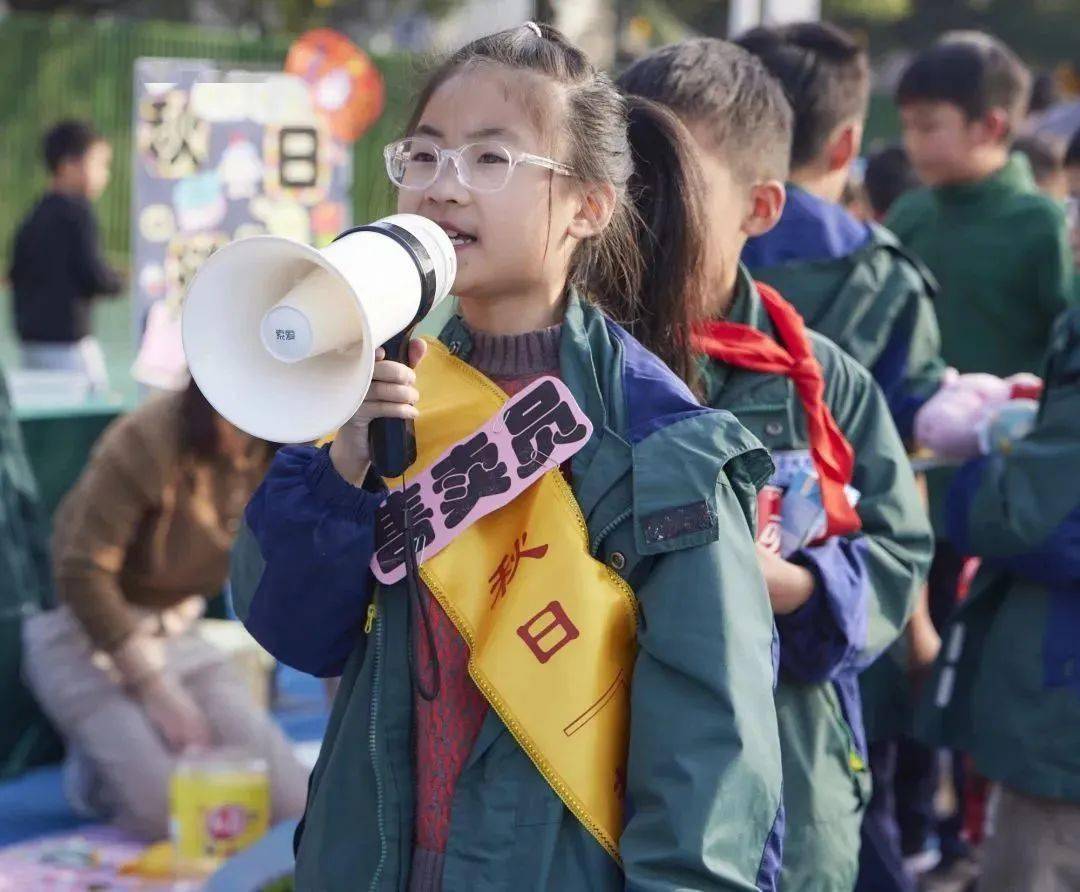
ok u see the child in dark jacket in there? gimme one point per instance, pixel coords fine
(57, 268)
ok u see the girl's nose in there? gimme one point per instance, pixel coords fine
(448, 186)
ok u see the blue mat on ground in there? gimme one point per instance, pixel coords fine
(34, 805)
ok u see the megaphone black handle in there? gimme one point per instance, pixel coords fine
(393, 440)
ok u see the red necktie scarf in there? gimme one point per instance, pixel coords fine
(745, 347)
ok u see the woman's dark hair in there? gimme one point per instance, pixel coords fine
(640, 273)
(198, 425)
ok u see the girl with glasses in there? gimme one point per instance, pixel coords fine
(582, 698)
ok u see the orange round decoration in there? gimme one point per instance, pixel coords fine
(345, 85)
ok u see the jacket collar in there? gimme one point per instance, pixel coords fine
(1015, 176)
(810, 229)
(746, 309)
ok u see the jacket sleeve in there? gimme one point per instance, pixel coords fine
(1021, 509)
(704, 777)
(300, 576)
(910, 369)
(122, 484)
(89, 268)
(865, 584)
(1052, 266)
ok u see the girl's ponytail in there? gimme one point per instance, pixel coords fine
(668, 239)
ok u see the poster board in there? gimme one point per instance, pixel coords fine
(220, 153)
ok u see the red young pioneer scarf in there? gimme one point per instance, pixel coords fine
(745, 347)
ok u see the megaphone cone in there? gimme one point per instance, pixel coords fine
(281, 337)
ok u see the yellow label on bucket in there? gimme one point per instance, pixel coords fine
(217, 810)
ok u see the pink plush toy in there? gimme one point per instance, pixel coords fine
(953, 423)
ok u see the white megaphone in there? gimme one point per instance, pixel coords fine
(281, 337)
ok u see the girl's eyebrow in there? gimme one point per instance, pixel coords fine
(482, 133)
(490, 132)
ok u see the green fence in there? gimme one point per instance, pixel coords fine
(55, 67)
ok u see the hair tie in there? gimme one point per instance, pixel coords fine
(535, 28)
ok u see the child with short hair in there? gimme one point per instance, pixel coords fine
(888, 176)
(997, 247)
(855, 284)
(57, 268)
(851, 281)
(843, 594)
(999, 250)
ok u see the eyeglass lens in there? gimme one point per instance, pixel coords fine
(484, 166)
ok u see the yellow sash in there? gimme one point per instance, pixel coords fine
(551, 631)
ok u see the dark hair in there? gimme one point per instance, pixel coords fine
(198, 425)
(1045, 155)
(1044, 93)
(971, 70)
(825, 74)
(670, 229)
(593, 118)
(721, 86)
(888, 175)
(67, 141)
(1072, 150)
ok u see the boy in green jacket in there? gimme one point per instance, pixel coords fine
(998, 248)
(1007, 685)
(850, 280)
(855, 284)
(843, 593)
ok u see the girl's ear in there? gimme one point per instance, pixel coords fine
(596, 207)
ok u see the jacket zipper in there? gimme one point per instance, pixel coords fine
(372, 622)
(599, 538)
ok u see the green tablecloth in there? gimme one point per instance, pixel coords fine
(58, 441)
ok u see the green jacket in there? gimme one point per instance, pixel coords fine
(875, 304)
(865, 593)
(1006, 687)
(1000, 251)
(668, 492)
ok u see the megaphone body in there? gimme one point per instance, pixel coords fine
(281, 337)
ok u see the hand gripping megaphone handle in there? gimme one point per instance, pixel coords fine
(393, 440)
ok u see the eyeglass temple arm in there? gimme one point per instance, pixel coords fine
(541, 161)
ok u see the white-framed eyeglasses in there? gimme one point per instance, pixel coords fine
(416, 163)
